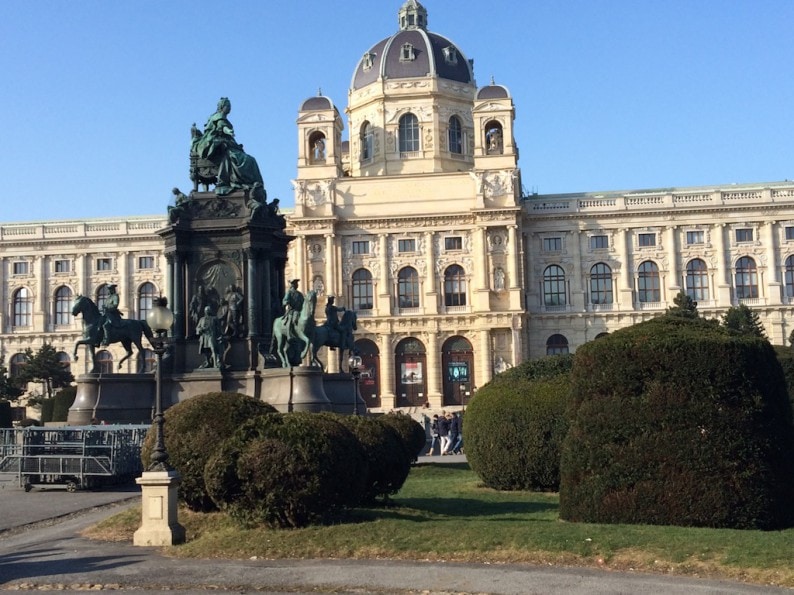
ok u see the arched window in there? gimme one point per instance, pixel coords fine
(554, 286)
(648, 286)
(789, 275)
(601, 284)
(362, 290)
(17, 362)
(455, 136)
(23, 307)
(63, 306)
(556, 345)
(101, 295)
(697, 280)
(149, 360)
(494, 142)
(409, 134)
(367, 142)
(104, 362)
(408, 288)
(455, 286)
(317, 148)
(746, 278)
(146, 295)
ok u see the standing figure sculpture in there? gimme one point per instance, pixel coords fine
(197, 304)
(233, 326)
(216, 151)
(210, 337)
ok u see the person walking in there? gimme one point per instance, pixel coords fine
(453, 434)
(443, 432)
(434, 438)
(457, 422)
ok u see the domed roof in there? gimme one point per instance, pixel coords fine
(318, 102)
(412, 52)
(493, 91)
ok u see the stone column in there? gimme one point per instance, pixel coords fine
(774, 294)
(179, 296)
(170, 280)
(673, 281)
(481, 246)
(388, 398)
(722, 295)
(626, 289)
(383, 294)
(127, 291)
(577, 288)
(434, 395)
(431, 290)
(331, 282)
(512, 257)
(486, 358)
(252, 294)
(300, 257)
(43, 313)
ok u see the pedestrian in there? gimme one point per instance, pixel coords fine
(443, 432)
(457, 445)
(434, 438)
(453, 434)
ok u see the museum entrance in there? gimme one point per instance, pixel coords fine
(370, 373)
(457, 362)
(410, 366)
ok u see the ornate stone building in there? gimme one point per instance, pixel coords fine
(418, 223)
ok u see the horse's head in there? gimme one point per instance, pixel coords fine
(83, 305)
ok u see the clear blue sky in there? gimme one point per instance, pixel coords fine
(99, 95)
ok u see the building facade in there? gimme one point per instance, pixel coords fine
(417, 221)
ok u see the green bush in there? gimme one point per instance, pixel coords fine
(411, 432)
(47, 407)
(389, 461)
(287, 470)
(515, 425)
(6, 418)
(785, 355)
(194, 429)
(62, 400)
(679, 422)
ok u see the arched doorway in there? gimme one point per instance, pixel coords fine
(457, 361)
(410, 366)
(369, 383)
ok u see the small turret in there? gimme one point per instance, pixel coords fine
(413, 16)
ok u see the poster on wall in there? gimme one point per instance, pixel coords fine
(411, 372)
(458, 371)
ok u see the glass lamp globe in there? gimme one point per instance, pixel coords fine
(354, 362)
(160, 318)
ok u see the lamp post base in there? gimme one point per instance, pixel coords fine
(159, 523)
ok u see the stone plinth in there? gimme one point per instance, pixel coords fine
(295, 389)
(340, 389)
(159, 523)
(113, 398)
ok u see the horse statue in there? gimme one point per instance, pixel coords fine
(343, 339)
(128, 333)
(292, 343)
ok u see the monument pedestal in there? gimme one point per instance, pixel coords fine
(159, 523)
(114, 398)
(295, 389)
(341, 390)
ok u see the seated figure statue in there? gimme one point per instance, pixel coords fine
(216, 157)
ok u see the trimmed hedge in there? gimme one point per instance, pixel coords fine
(515, 425)
(785, 355)
(287, 470)
(194, 429)
(411, 432)
(677, 422)
(62, 400)
(6, 419)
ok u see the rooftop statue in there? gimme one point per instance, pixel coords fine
(217, 158)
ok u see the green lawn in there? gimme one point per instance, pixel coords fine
(443, 513)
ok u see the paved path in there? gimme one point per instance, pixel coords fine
(49, 555)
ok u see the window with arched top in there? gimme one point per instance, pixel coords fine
(648, 284)
(494, 140)
(362, 290)
(455, 286)
(367, 141)
(601, 284)
(317, 148)
(455, 136)
(104, 362)
(147, 361)
(554, 286)
(789, 276)
(697, 280)
(746, 278)
(101, 295)
(15, 365)
(409, 133)
(408, 288)
(22, 303)
(557, 345)
(63, 306)
(146, 295)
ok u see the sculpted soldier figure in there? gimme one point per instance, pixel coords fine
(332, 320)
(293, 303)
(209, 332)
(111, 314)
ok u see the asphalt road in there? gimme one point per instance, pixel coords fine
(41, 550)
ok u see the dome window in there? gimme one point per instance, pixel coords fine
(455, 136)
(451, 54)
(408, 54)
(368, 61)
(409, 134)
(367, 142)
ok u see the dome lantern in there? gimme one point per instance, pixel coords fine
(412, 15)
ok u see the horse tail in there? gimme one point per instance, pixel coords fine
(147, 330)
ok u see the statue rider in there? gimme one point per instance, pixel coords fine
(110, 314)
(293, 304)
(332, 320)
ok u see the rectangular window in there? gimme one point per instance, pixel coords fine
(406, 245)
(63, 266)
(361, 247)
(694, 237)
(552, 244)
(789, 232)
(453, 243)
(146, 262)
(744, 235)
(104, 264)
(20, 268)
(599, 242)
(647, 239)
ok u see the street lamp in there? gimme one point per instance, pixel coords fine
(160, 319)
(354, 363)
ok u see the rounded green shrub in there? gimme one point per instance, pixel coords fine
(6, 419)
(194, 429)
(677, 422)
(287, 470)
(514, 426)
(411, 432)
(389, 461)
(62, 400)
